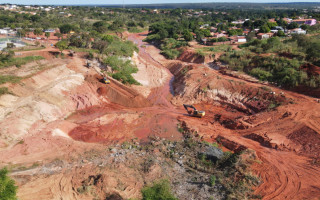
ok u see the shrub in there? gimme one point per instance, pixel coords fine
(260, 74)
(4, 90)
(160, 190)
(171, 53)
(212, 180)
(123, 69)
(7, 187)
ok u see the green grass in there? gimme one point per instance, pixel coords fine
(159, 190)
(9, 79)
(20, 61)
(135, 30)
(218, 48)
(84, 50)
(4, 90)
(28, 49)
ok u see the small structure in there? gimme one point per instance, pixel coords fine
(298, 31)
(309, 22)
(262, 36)
(241, 39)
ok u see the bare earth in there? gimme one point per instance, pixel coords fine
(61, 113)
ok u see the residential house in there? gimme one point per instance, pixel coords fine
(3, 32)
(241, 39)
(218, 35)
(299, 31)
(309, 22)
(262, 36)
(276, 29)
(237, 22)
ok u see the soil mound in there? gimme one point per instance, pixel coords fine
(194, 84)
(308, 140)
(102, 91)
(191, 57)
(263, 140)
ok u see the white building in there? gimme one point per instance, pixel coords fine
(298, 31)
(4, 32)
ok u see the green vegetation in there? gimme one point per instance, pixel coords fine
(170, 47)
(122, 69)
(7, 186)
(212, 180)
(120, 48)
(4, 90)
(20, 61)
(62, 45)
(283, 63)
(9, 78)
(159, 190)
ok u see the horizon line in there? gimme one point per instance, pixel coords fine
(267, 2)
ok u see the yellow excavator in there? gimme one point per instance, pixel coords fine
(106, 80)
(194, 112)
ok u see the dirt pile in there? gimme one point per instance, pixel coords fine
(191, 57)
(196, 83)
(307, 141)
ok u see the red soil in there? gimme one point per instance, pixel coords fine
(286, 139)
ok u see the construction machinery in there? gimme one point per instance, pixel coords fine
(106, 81)
(194, 112)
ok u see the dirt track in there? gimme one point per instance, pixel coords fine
(286, 139)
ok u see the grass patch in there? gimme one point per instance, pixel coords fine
(28, 48)
(159, 190)
(75, 49)
(9, 78)
(20, 61)
(4, 90)
(218, 48)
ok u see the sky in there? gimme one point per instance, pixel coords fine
(78, 2)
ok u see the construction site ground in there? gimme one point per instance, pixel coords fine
(60, 117)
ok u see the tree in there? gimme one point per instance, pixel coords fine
(58, 35)
(293, 25)
(7, 188)
(281, 33)
(35, 18)
(22, 32)
(76, 40)
(248, 24)
(250, 36)
(66, 28)
(304, 26)
(47, 34)
(272, 24)
(264, 29)
(100, 45)
(62, 45)
(37, 31)
(100, 27)
(187, 35)
(108, 38)
(313, 52)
